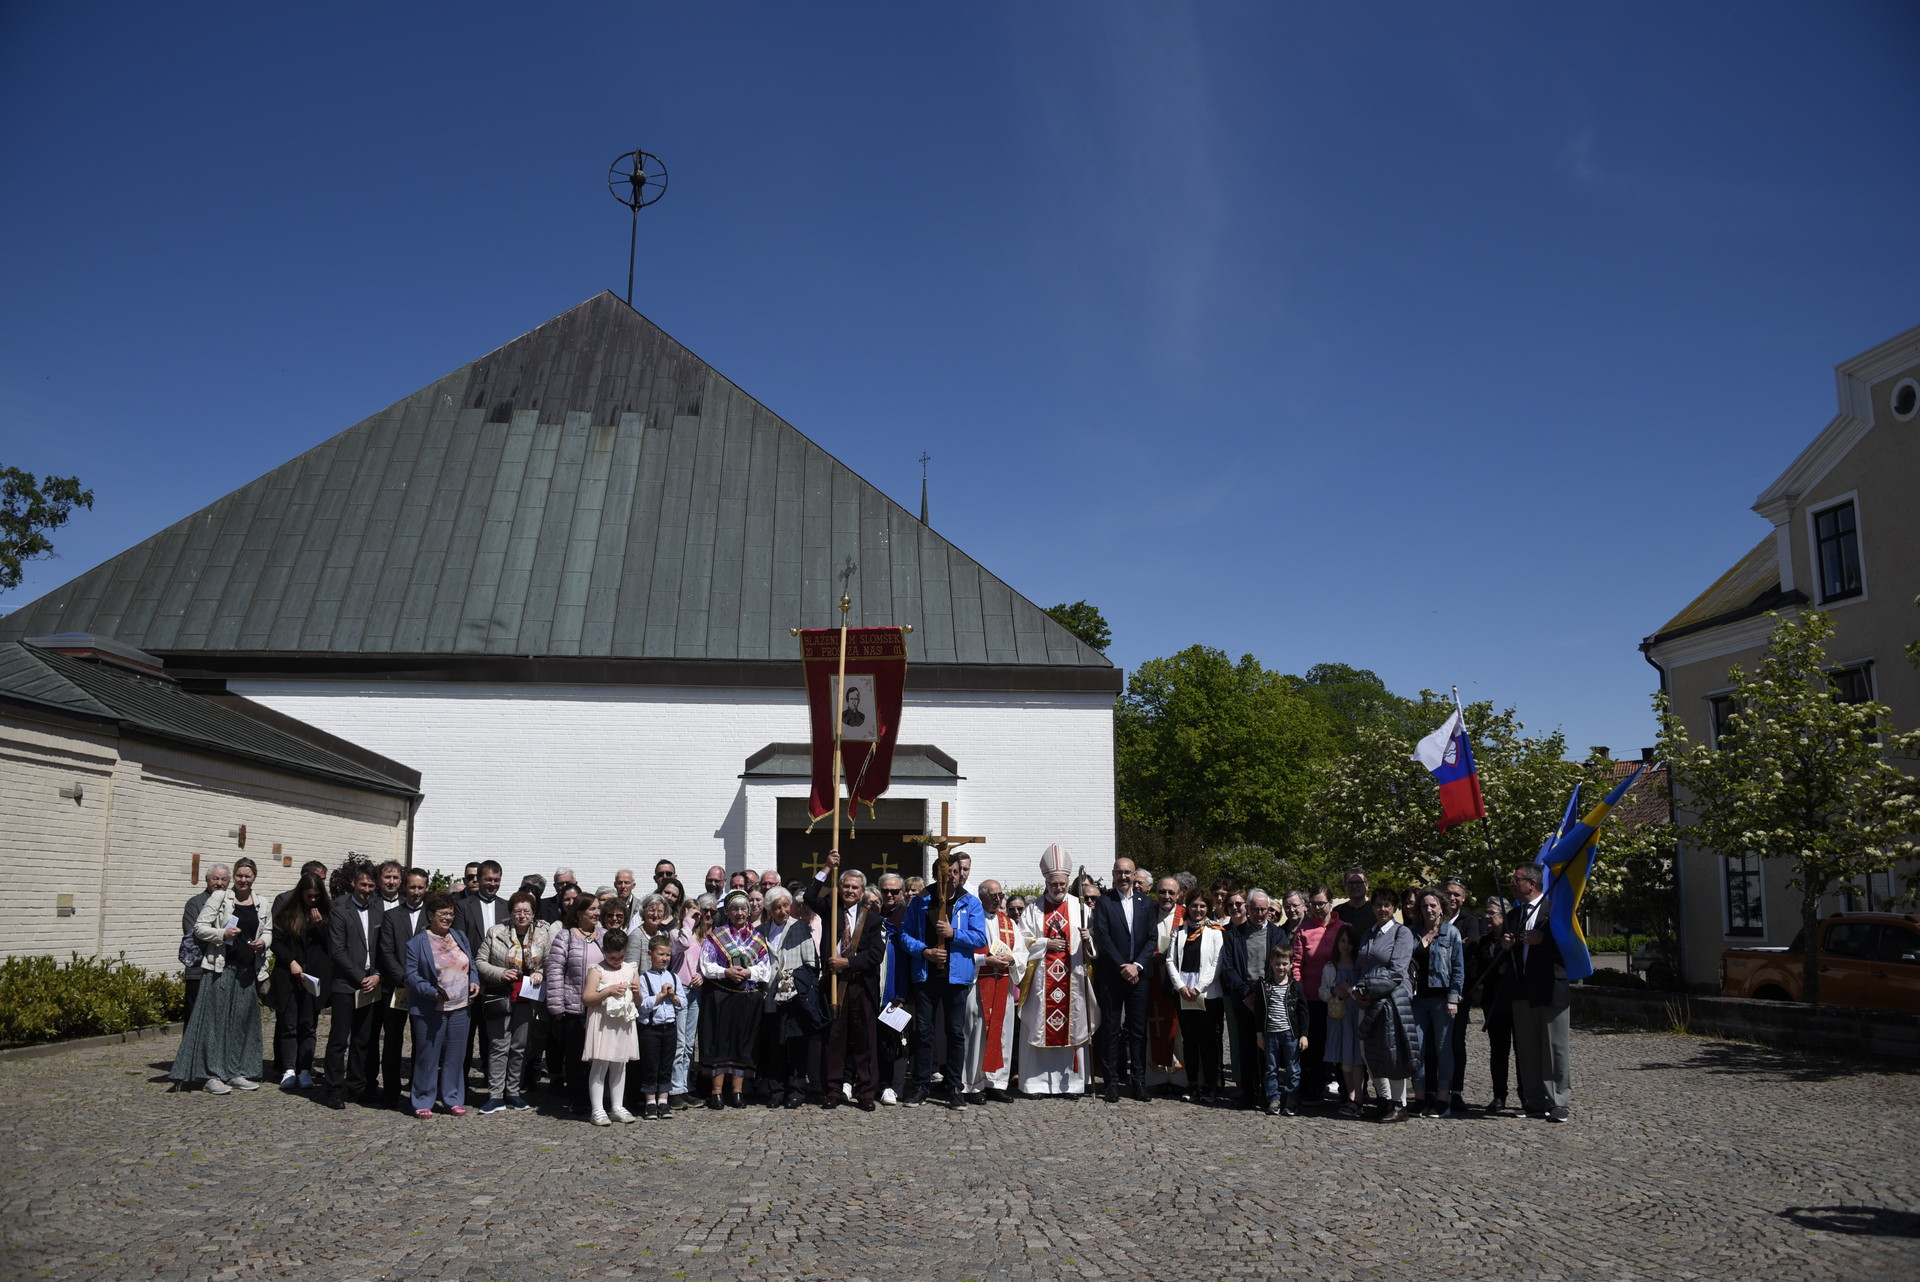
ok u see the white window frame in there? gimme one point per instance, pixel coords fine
(1759, 874)
(1814, 512)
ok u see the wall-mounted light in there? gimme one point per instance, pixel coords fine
(239, 835)
(63, 905)
(76, 793)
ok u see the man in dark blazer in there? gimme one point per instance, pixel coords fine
(474, 916)
(353, 932)
(397, 928)
(1243, 964)
(1125, 932)
(863, 942)
(1542, 1003)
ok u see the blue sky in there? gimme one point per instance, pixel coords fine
(1449, 341)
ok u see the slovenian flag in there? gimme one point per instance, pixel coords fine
(1449, 756)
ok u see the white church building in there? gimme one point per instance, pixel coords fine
(559, 583)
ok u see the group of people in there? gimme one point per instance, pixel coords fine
(634, 1005)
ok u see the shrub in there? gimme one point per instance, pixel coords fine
(44, 1001)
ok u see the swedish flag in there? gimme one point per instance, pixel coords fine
(1567, 860)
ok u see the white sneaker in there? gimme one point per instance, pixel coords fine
(289, 1078)
(601, 1119)
(846, 1088)
(244, 1084)
(214, 1086)
(888, 1097)
(306, 1078)
(621, 1116)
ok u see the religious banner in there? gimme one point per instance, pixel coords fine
(868, 709)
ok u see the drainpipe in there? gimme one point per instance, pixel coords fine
(1673, 819)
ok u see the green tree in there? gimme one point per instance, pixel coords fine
(1084, 621)
(30, 510)
(1356, 698)
(1798, 776)
(1213, 753)
(1374, 807)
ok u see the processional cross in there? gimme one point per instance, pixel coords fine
(945, 841)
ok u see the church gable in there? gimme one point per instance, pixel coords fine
(590, 490)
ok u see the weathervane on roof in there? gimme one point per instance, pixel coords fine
(636, 179)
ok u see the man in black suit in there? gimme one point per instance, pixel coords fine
(1542, 1003)
(1125, 932)
(1243, 964)
(352, 932)
(863, 945)
(475, 916)
(550, 906)
(398, 926)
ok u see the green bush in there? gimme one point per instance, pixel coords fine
(44, 1001)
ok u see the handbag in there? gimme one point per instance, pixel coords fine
(1336, 1008)
(190, 954)
(495, 1005)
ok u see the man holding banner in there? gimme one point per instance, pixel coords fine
(1542, 1033)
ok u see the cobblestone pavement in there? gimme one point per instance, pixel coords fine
(1688, 1159)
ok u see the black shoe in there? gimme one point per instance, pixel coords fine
(831, 1101)
(915, 1097)
(1271, 1108)
(997, 1096)
(736, 1099)
(1110, 1093)
(1289, 1105)
(1497, 1106)
(713, 1102)
(337, 1101)
(1141, 1093)
(865, 1105)
(977, 1097)
(1457, 1103)
(1558, 1115)
(794, 1099)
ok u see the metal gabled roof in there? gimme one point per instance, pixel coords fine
(159, 708)
(591, 489)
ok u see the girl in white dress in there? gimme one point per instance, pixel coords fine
(612, 1037)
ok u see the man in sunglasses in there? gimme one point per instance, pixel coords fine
(891, 1043)
(1357, 911)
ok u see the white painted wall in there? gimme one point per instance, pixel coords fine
(602, 777)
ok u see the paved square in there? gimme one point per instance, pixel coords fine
(1688, 1159)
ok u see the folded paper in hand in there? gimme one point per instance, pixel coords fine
(895, 1017)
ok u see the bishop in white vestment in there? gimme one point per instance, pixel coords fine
(1057, 1008)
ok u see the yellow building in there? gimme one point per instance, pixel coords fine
(1845, 539)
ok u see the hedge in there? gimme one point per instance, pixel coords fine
(44, 1001)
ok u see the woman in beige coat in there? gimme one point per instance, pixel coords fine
(512, 959)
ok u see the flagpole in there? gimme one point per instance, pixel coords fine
(1486, 820)
(839, 725)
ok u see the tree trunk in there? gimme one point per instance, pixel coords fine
(1810, 944)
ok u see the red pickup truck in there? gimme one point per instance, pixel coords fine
(1870, 960)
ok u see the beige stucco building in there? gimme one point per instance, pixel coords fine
(119, 787)
(1845, 539)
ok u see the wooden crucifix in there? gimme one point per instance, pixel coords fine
(944, 842)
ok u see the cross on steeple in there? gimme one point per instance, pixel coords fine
(924, 458)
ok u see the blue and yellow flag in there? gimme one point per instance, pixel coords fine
(1567, 860)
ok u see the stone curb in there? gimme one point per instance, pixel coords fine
(43, 1049)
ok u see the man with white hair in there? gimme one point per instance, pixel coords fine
(992, 1003)
(1057, 1006)
(550, 906)
(1243, 967)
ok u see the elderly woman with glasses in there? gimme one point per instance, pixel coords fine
(787, 1028)
(735, 967)
(512, 962)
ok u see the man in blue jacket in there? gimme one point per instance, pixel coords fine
(942, 953)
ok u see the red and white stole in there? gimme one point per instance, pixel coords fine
(1056, 1000)
(993, 1003)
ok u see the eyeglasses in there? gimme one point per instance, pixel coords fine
(1165, 894)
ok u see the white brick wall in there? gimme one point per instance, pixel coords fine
(125, 852)
(601, 777)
